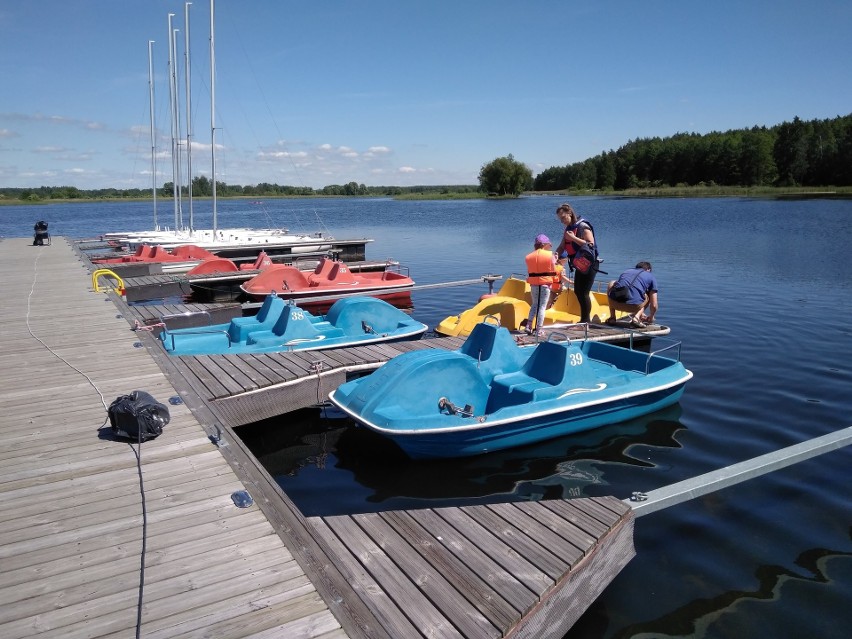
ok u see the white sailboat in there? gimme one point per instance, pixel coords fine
(217, 239)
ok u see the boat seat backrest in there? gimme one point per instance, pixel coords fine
(158, 252)
(494, 349)
(271, 308)
(567, 302)
(480, 342)
(341, 273)
(548, 363)
(241, 327)
(514, 287)
(295, 323)
(331, 273)
(263, 260)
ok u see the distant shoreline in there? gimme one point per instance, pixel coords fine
(657, 192)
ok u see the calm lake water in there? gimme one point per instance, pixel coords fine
(759, 293)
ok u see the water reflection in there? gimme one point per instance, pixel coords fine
(715, 616)
(332, 466)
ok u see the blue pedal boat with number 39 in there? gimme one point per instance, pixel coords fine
(493, 394)
(281, 326)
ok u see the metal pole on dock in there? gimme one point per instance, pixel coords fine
(647, 503)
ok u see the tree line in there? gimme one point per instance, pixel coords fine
(797, 153)
(203, 187)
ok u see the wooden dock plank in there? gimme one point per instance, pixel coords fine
(208, 385)
(495, 546)
(576, 516)
(529, 548)
(394, 623)
(261, 365)
(468, 582)
(441, 591)
(403, 593)
(467, 551)
(531, 527)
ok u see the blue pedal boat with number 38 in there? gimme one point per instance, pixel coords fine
(493, 394)
(281, 326)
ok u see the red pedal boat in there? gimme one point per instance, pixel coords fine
(330, 278)
(156, 253)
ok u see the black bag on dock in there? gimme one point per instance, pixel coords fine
(138, 416)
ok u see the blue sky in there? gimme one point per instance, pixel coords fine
(400, 92)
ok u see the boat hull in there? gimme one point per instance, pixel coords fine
(492, 394)
(526, 431)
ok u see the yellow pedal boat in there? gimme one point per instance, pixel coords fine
(511, 305)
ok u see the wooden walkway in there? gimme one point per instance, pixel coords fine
(71, 524)
(70, 501)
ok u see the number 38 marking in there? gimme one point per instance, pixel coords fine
(297, 315)
(576, 359)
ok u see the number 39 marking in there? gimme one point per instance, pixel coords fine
(576, 359)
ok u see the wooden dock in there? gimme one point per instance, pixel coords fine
(71, 531)
(70, 502)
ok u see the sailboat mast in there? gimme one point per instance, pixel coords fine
(188, 115)
(172, 117)
(178, 164)
(153, 137)
(213, 112)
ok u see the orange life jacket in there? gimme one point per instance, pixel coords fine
(540, 268)
(557, 279)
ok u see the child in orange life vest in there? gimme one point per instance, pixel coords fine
(560, 280)
(541, 269)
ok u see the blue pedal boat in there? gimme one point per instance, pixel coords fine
(281, 326)
(493, 394)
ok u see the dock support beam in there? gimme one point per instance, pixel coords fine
(646, 503)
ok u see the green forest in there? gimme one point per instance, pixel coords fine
(797, 153)
(816, 153)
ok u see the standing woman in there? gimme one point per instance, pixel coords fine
(577, 233)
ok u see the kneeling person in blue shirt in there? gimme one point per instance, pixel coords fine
(633, 292)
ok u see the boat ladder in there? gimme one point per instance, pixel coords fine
(105, 272)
